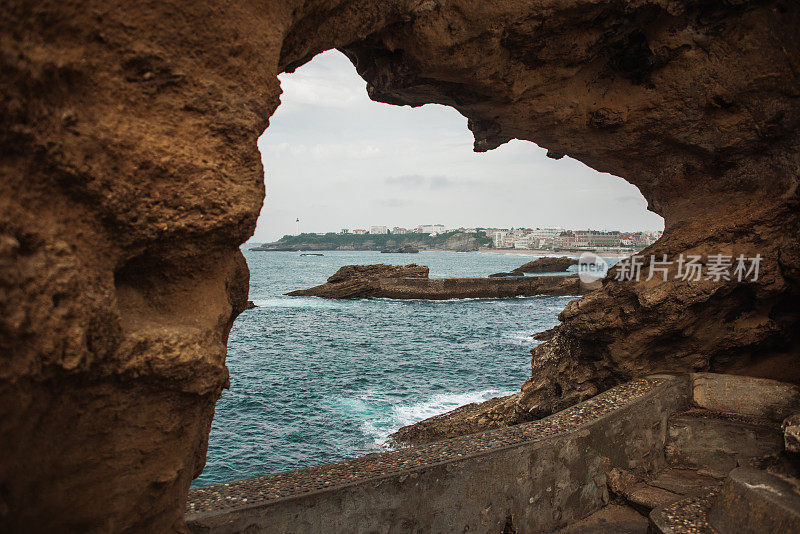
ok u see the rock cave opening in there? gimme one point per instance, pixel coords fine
(129, 140)
(334, 159)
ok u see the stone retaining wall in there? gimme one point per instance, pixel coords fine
(532, 477)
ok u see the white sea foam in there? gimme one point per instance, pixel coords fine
(441, 403)
(524, 338)
(378, 427)
(297, 302)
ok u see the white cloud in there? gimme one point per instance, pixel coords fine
(336, 159)
(299, 90)
(324, 151)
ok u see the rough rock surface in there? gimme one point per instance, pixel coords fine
(130, 176)
(791, 433)
(412, 282)
(349, 273)
(460, 243)
(356, 281)
(547, 264)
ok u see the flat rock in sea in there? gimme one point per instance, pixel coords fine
(357, 281)
(412, 282)
(547, 264)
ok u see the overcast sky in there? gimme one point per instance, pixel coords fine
(335, 159)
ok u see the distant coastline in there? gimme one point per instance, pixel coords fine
(515, 251)
(539, 252)
(453, 241)
(522, 241)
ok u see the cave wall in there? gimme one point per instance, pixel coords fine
(130, 176)
(695, 103)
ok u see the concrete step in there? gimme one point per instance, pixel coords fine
(613, 519)
(643, 497)
(753, 501)
(686, 516)
(750, 501)
(685, 482)
(668, 486)
(715, 443)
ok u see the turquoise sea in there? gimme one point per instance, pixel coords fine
(316, 381)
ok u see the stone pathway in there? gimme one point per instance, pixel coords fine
(612, 519)
(268, 488)
(687, 516)
(668, 486)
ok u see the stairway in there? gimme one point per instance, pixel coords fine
(731, 452)
(669, 486)
(751, 501)
(714, 443)
(714, 451)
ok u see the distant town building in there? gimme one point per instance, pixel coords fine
(565, 239)
(596, 239)
(520, 232)
(429, 229)
(528, 241)
(652, 237)
(547, 233)
(498, 238)
(627, 239)
(552, 238)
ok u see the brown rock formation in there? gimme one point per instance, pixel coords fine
(547, 264)
(360, 281)
(791, 433)
(348, 273)
(130, 175)
(502, 275)
(412, 282)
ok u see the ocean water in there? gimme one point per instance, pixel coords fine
(316, 381)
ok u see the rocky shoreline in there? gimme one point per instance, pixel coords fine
(412, 282)
(405, 249)
(545, 264)
(450, 241)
